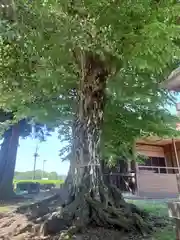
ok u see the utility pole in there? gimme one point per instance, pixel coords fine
(35, 158)
(43, 168)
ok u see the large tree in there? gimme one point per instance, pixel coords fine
(58, 52)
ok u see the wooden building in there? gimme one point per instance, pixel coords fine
(156, 177)
(153, 177)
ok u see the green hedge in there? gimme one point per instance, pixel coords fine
(41, 181)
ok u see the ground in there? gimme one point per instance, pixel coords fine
(4, 209)
(157, 208)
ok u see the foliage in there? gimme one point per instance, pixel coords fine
(138, 41)
(127, 120)
(26, 126)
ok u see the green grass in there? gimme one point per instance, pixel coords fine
(154, 207)
(167, 233)
(158, 209)
(4, 209)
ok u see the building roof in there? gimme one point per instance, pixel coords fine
(156, 141)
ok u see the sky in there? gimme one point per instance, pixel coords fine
(48, 151)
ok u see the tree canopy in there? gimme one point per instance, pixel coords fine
(139, 42)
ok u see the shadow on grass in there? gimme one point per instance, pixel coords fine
(167, 233)
(159, 209)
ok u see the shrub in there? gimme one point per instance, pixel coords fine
(42, 182)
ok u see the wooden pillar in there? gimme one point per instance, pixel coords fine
(174, 210)
(136, 169)
(176, 155)
(178, 184)
(177, 229)
(129, 166)
(166, 164)
(137, 179)
(174, 213)
(178, 220)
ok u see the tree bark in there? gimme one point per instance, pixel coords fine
(88, 124)
(8, 154)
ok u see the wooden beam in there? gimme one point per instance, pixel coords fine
(176, 155)
(178, 182)
(177, 229)
(136, 169)
(174, 212)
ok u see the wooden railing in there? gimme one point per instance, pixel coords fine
(157, 169)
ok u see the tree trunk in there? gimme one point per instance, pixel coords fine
(88, 124)
(8, 154)
(91, 200)
(9, 146)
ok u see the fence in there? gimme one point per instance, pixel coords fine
(157, 169)
(153, 180)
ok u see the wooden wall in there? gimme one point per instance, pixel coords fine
(157, 184)
(150, 150)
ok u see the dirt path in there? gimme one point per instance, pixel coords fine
(12, 224)
(28, 199)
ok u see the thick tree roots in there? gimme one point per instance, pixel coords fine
(109, 210)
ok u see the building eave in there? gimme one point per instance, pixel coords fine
(156, 141)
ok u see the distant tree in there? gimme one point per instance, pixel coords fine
(28, 175)
(9, 146)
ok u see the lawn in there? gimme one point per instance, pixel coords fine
(158, 208)
(165, 234)
(4, 209)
